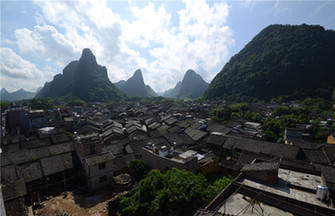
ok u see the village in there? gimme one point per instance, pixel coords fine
(79, 151)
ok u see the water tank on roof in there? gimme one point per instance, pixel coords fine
(321, 192)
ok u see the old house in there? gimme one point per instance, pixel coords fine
(163, 157)
(36, 119)
(208, 164)
(98, 169)
(17, 121)
(87, 145)
(195, 134)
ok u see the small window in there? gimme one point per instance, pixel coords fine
(92, 149)
(103, 178)
(102, 166)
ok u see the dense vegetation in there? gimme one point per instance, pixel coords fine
(282, 61)
(40, 104)
(138, 168)
(222, 113)
(84, 79)
(283, 116)
(176, 192)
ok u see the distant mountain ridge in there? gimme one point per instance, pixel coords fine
(192, 86)
(119, 84)
(135, 86)
(84, 79)
(20, 94)
(173, 92)
(286, 61)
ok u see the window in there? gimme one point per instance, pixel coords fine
(92, 149)
(103, 178)
(102, 166)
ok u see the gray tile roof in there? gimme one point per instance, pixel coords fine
(266, 166)
(271, 148)
(154, 125)
(215, 140)
(14, 189)
(115, 148)
(195, 134)
(330, 151)
(56, 163)
(26, 155)
(316, 155)
(60, 148)
(8, 174)
(171, 121)
(230, 143)
(60, 138)
(36, 143)
(29, 171)
(215, 127)
(178, 139)
(99, 158)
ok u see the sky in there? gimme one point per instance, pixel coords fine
(162, 38)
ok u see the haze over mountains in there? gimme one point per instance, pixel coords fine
(88, 81)
(192, 86)
(282, 61)
(135, 86)
(20, 94)
(292, 62)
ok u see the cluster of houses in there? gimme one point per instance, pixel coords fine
(45, 152)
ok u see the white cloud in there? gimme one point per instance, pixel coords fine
(45, 41)
(200, 40)
(94, 26)
(17, 72)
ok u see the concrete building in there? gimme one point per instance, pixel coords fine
(17, 121)
(36, 119)
(87, 145)
(267, 188)
(165, 158)
(98, 169)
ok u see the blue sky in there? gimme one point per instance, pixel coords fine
(162, 38)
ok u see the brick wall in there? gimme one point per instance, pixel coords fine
(267, 176)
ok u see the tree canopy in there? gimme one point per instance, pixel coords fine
(286, 61)
(176, 192)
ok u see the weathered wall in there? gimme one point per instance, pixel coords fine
(162, 163)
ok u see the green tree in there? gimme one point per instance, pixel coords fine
(220, 183)
(272, 129)
(139, 169)
(40, 104)
(176, 192)
(221, 114)
(237, 107)
(4, 105)
(76, 102)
